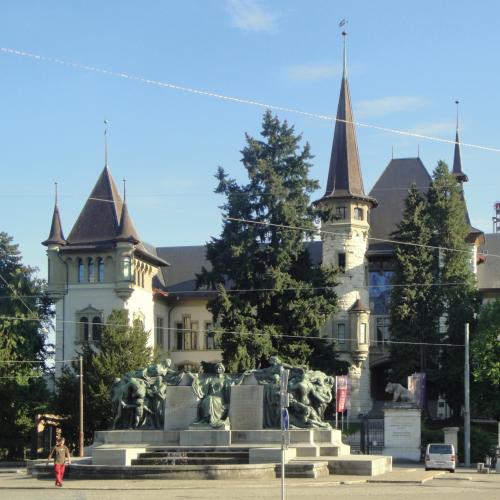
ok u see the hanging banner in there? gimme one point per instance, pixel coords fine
(417, 387)
(342, 395)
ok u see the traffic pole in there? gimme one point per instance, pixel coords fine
(467, 400)
(81, 409)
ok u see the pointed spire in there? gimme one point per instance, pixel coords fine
(457, 158)
(127, 230)
(344, 72)
(344, 176)
(105, 143)
(56, 236)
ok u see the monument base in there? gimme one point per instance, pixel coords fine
(402, 432)
(205, 437)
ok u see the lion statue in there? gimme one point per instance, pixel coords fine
(399, 393)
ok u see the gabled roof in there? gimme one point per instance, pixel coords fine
(344, 176)
(391, 191)
(99, 220)
(56, 236)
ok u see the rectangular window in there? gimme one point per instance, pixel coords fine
(363, 334)
(341, 333)
(383, 332)
(341, 261)
(186, 333)
(179, 336)
(160, 332)
(358, 213)
(194, 335)
(340, 213)
(209, 336)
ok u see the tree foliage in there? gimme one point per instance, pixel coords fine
(24, 317)
(270, 291)
(414, 303)
(122, 348)
(438, 292)
(485, 346)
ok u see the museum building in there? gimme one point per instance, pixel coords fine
(104, 265)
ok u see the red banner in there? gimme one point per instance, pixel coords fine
(342, 393)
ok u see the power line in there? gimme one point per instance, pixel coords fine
(239, 100)
(228, 332)
(383, 240)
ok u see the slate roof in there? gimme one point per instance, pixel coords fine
(187, 261)
(391, 190)
(56, 236)
(488, 273)
(344, 176)
(457, 162)
(104, 220)
(100, 217)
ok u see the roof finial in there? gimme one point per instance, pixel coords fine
(457, 103)
(418, 150)
(105, 143)
(392, 152)
(342, 23)
(55, 189)
(124, 190)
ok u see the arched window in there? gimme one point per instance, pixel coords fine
(84, 329)
(100, 269)
(81, 275)
(127, 268)
(90, 270)
(96, 329)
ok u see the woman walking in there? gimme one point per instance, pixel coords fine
(60, 453)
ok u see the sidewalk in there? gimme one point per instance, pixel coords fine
(400, 475)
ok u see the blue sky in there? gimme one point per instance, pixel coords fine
(408, 62)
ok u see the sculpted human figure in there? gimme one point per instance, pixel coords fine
(214, 393)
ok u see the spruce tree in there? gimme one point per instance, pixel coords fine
(414, 312)
(122, 348)
(458, 296)
(25, 314)
(270, 292)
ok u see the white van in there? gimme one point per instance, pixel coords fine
(440, 456)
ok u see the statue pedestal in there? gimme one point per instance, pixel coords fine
(402, 431)
(181, 407)
(246, 409)
(205, 437)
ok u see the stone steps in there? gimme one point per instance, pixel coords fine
(173, 455)
(191, 461)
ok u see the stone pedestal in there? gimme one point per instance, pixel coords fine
(181, 406)
(205, 437)
(402, 432)
(246, 410)
(451, 437)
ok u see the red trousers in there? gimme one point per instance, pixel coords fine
(59, 472)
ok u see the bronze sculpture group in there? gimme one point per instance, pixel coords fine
(138, 398)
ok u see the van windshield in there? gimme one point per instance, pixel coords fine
(440, 449)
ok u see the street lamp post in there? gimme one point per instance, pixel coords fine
(467, 400)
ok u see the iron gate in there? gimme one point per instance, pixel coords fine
(371, 436)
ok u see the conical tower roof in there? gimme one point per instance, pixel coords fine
(344, 176)
(56, 236)
(127, 230)
(100, 218)
(457, 162)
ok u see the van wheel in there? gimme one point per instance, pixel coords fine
(427, 468)
(452, 470)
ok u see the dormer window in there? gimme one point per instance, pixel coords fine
(100, 269)
(90, 270)
(81, 271)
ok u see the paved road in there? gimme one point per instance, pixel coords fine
(459, 486)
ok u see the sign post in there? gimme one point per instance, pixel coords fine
(284, 403)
